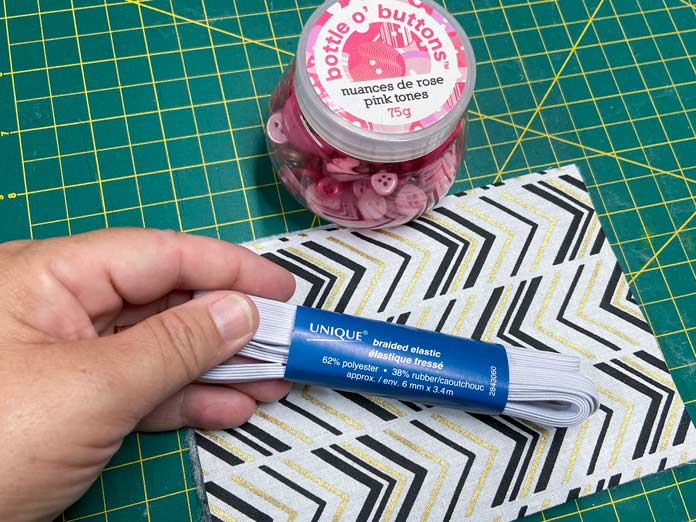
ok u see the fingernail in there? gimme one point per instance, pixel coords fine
(233, 317)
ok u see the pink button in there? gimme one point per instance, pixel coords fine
(291, 182)
(429, 176)
(384, 183)
(340, 207)
(410, 198)
(342, 164)
(308, 173)
(449, 162)
(360, 186)
(372, 206)
(276, 130)
(342, 168)
(297, 133)
(329, 187)
(441, 188)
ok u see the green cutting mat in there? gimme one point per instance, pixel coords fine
(115, 113)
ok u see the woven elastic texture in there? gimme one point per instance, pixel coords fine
(545, 387)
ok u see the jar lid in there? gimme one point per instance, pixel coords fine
(383, 81)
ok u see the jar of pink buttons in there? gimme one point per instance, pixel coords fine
(368, 124)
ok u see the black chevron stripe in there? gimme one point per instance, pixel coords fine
(576, 182)
(488, 241)
(454, 250)
(574, 225)
(373, 486)
(605, 304)
(445, 315)
(502, 330)
(391, 482)
(663, 464)
(310, 416)
(652, 360)
(522, 470)
(358, 272)
(564, 320)
(608, 414)
(573, 494)
(669, 396)
(682, 429)
(599, 242)
(265, 437)
(588, 212)
(470, 458)
(246, 440)
(655, 399)
(614, 480)
(321, 503)
(399, 273)
(315, 283)
(520, 442)
(328, 280)
(368, 405)
(414, 486)
(487, 313)
(221, 453)
(550, 460)
(533, 227)
(516, 324)
(236, 503)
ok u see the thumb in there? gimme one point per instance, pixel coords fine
(160, 355)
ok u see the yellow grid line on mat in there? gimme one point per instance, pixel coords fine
(522, 133)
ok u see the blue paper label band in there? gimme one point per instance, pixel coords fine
(361, 355)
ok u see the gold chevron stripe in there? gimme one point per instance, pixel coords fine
(375, 279)
(340, 276)
(552, 225)
(624, 424)
(544, 436)
(676, 404)
(539, 322)
(587, 317)
(576, 451)
(227, 445)
(400, 479)
(440, 477)
(425, 257)
(283, 426)
(221, 514)
(470, 252)
(387, 406)
(498, 312)
(578, 194)
(492, 453)
(423, 317)
(594, 224)
(292, 514)
(464, 314)
(328, 409)
(322, 483)
(618, 301)
(506, 244)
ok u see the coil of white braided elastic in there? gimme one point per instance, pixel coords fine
(545, 387)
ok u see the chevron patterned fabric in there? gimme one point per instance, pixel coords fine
(524, 263)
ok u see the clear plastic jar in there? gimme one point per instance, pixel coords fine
(368, 125)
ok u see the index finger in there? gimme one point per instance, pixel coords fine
(141, 265)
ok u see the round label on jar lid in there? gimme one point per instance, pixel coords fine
(393, 66)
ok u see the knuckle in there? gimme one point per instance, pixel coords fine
(179, 339)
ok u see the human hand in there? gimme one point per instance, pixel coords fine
(70, 391)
